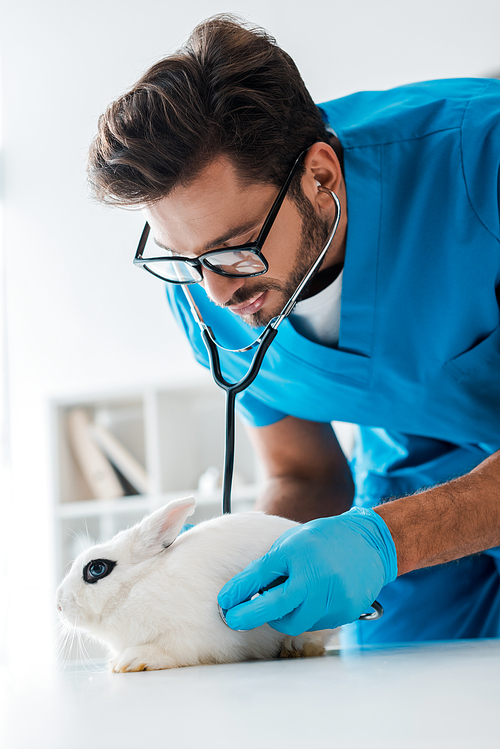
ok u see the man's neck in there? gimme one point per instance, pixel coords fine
(321, 280)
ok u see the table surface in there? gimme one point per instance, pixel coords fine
(426, 695)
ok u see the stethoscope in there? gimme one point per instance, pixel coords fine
(232, 389)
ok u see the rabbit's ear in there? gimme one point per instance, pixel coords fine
(161, 528)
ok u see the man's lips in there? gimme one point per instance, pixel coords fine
(250, 307)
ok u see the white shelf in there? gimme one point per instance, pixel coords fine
(148, 503)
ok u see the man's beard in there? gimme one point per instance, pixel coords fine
(312, 240)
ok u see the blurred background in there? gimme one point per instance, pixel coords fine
(78, 322)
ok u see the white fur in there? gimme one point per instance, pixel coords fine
(158, 607)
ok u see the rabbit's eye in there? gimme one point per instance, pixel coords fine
(97, 569)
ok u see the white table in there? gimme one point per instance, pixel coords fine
(427, 695)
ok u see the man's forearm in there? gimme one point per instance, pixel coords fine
(307, 473)
(449, 521)
(303, 500)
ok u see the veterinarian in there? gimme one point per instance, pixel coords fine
(398, 332)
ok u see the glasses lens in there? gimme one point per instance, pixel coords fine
(239, 263)
(174, 270)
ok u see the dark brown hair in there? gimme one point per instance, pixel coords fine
(229, 91)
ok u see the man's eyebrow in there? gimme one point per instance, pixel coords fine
(159, 244)
(235, 231)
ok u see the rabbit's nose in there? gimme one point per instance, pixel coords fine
(59, 600)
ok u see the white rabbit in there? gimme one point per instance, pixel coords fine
(151, 595)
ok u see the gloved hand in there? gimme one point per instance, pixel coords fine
(186, 527)
(335, 567)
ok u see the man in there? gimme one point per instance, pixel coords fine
(398, 332)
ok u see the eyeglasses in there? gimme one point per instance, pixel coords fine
(244, 260)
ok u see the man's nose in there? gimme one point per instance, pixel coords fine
(220, 289)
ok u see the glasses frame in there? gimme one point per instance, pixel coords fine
(199, 262)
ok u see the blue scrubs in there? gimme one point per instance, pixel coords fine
(417, 366)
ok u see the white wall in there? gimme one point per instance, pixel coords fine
(79, 315)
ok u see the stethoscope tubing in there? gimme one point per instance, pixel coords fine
(262, 342)
(232, 390)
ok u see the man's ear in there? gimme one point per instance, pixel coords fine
(323, 167)
(160, 529)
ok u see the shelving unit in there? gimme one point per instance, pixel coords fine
(176, 432)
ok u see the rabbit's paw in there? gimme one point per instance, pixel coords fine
(141, 658)
(306, 645)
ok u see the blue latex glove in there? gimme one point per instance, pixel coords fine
(185, 527)
(335, 567)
